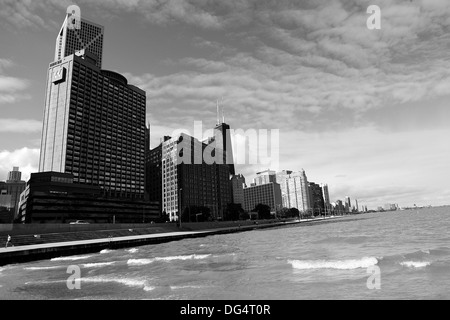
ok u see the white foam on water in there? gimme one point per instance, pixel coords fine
(98, 264)
(185, 287)
(188, 257)
(134, 250)
(149, 288)
(70, 258)
(415, 264)
(333, 264)
(43, 268)
(426, 251)
(105, 251)
(139, 262)
(130, 282)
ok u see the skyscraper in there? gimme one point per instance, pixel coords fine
(282, 179)
(237, 186)
(326, 198)
(316, 198)
(188, 181)
(15, 175)
(94, 121)
(223, 141)
(264, 177)
(89, 37)
(348, 204)
(15, 186)
(93, 143)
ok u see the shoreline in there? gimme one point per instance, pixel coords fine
(35, 252)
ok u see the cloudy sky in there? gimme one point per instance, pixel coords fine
(366, 111)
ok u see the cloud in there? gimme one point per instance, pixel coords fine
(11, 87)
(25, 158)
(20, 125)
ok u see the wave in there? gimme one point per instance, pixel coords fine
(70, 258)
(188, 257)
(415, 264)
(185, 287)
(139, 262)
(149, 288)
(134, 250)
(333, 264)
(43, 268)
(130, 282)
(105, 251)
(98, 264)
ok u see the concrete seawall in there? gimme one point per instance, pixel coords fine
(42, 251)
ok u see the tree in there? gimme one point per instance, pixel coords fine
(233, 212)
(263, 211)
(283, 213)
(293, 212)
(244, 216)
(163, 218)
(196, 214)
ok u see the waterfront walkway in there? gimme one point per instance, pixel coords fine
(117, 239)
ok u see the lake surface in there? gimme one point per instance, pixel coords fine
(339, 259)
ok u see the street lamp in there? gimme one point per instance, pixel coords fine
(179, 209)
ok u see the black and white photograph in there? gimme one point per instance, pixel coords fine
(224, 155)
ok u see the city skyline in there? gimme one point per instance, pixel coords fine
(374, 141)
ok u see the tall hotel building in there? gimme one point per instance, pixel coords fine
(94, 121)
(93, 133)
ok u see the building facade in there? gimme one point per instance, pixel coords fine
(237, 186)
(94, 127)
(70, 40)
(190, 181)
(316, 198)
(268, 194)
(54, 197)
(265, 177)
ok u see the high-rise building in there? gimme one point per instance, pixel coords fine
(294, 189)
(282, 179)
(348, 204)
(316, 198)
(326, 198)
(265, 177)
(338, 207)
(237, 187)
(14, 186)
(15, 175)
(93, 130)
(223, 141)
(188, 181)
(94, 126)
(268, 194)
(70, 40)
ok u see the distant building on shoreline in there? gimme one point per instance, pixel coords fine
(268, 194)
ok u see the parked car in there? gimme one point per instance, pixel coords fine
(80, 222)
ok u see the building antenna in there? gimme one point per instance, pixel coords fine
(223, 116)
(218, 120)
